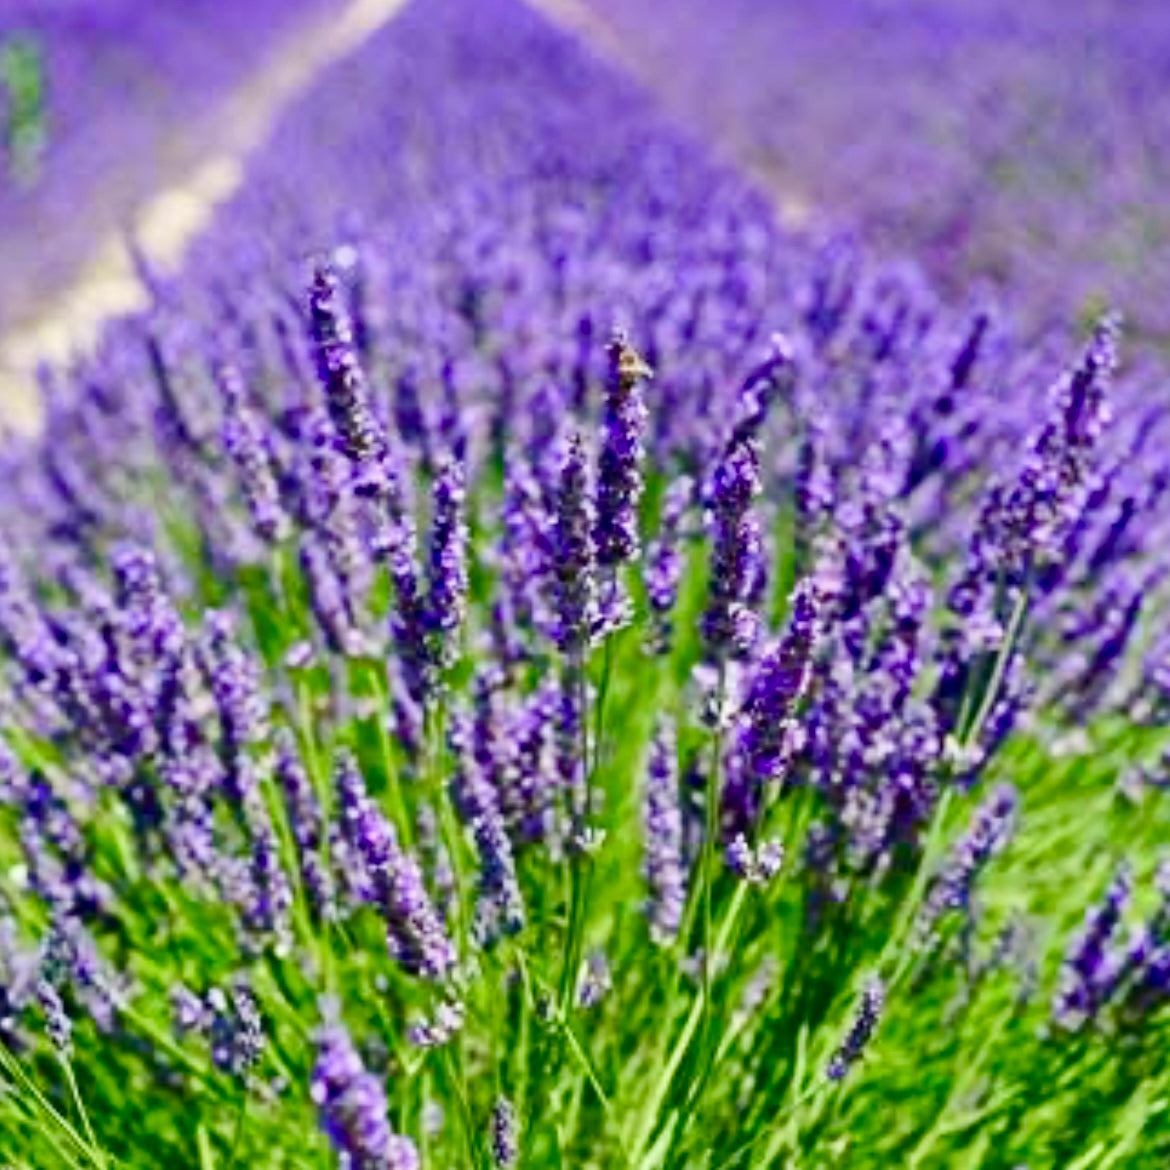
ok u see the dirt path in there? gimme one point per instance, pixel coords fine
(167, 222)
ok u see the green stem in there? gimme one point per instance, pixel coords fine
(79, 1105)
(1011, 635)
(708, 870)
(13, 1068)
(458, 1078)
(237, 1133)
(658, 1093)
(575, 674)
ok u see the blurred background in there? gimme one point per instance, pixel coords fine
(1023, 146)
(103, 105)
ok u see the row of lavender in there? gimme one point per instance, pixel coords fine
(357, 595)
(1022, 144)
(119, 88)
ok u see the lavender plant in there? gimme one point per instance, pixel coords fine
(427, 739)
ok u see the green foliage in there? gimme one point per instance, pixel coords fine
(22, 100)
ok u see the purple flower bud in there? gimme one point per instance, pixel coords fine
(728, 627)
(860, 1032)
(246, 442)
(597, 982)
(664, 563)
(58, 1026)
(415, 933)
(756, 866)
(768, 733)
(308, 826)
(353, 1109)
(1087, 978)
(619, 472)
(991, 827)
(235, 1029)
(441, 1028)
(329, 601)
(505, 1135)
(662, 866)
(339, 370)
(574, 563)
(448, 582)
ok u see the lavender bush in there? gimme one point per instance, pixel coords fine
(515, 660)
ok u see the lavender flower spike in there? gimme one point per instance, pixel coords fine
(505, 1135)
(394, 881)
(1087, 976)
(447, 596)
(619, 479)
(663, 838)
(768, 735)
(728, 626)
(245, 440)
(861, 1032)
(353, 1108)
(663, 566)
(991, 827)
(574, 560)
(340, 372)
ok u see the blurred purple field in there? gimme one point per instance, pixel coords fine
(1025, 143)
(130, 93)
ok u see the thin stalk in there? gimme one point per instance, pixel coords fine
(707, 875)
(661, 1087)
(238, 1133)
(13, 1068)
(1011, 635)
(79, 1105)
(579, 863)
(458, 1077)
(594, 1080)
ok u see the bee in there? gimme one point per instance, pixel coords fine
(631, 366)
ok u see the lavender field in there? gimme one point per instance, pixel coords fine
(612, 610)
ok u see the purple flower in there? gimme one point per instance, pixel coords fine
(728, 626)
(989, 831)
(235, 682)
(308, 826)
(1088, 975)
(663, 566)
(353, 1109)
(447, 581)
(662, 843)
(763, 384)
(861, 1031)
(58, 1025)
(235, 1029)
(505, 1135)
(574, 562)
(440, 1028)
(756, 866)
(246, 442)
(619, 471)
(768, 735)
(597, 980)
(339, 370)
(500, 909)
(391, 879)
(329, 599)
